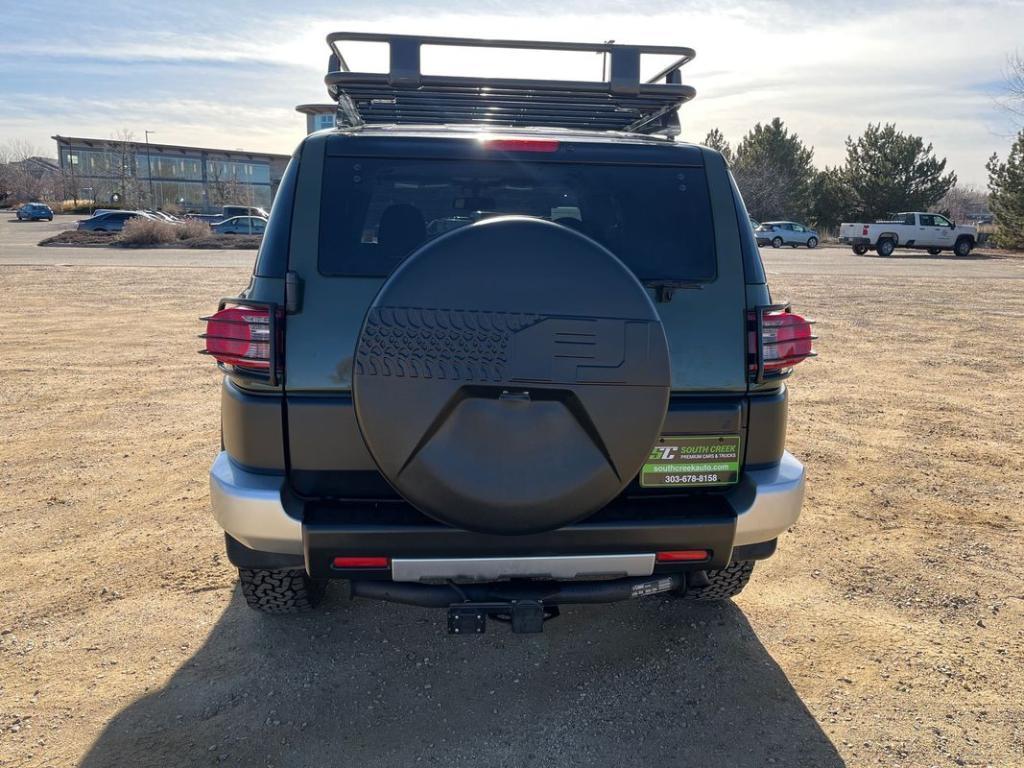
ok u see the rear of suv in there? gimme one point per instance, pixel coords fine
(499, 357)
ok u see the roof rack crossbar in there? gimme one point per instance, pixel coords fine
(622, 102)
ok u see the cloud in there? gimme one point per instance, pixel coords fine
(230, 74)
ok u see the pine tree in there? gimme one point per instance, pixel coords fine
(1006, 199)
(774, 170)
(890, 171)
(716, 140)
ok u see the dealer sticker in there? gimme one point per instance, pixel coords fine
(694, 460)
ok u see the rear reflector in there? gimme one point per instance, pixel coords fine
(239, 336)
(521, 145)
(362, 562)
(683, 556)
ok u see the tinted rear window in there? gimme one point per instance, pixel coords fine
(657, 219)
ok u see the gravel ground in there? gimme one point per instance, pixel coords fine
(888, 630)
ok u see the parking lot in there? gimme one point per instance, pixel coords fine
(888, 630)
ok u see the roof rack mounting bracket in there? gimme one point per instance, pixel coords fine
(405, 63)
(625, 77)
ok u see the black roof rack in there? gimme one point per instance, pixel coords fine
(622, 102)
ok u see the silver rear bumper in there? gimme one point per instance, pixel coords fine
(248, 506)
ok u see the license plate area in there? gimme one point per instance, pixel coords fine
(692, 461)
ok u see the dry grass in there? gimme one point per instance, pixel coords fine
(190, 229)
(145, 231)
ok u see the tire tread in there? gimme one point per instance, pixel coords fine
(725, 583)
(278, 592)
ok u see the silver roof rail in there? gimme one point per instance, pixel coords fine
(404, 95)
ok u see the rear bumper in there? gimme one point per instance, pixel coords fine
(250, 509)
(855, 240)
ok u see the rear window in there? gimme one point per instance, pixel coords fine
(657, 219)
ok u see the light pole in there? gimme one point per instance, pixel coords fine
(149, 170)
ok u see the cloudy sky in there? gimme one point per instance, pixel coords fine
(230, 74)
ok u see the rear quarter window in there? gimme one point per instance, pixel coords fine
(376, 211)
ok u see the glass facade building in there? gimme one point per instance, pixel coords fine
(167, 177)
(318, 116)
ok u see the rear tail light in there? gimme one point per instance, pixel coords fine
(778, 339)
(865, 232)
(244, 338)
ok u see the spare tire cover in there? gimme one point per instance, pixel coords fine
(511, 377)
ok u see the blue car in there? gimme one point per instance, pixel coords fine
(34, 212)
(110, 221)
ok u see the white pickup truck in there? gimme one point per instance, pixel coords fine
(924, 231)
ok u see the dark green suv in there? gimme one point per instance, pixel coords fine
(507, 346)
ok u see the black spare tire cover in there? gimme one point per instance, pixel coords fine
(511, 377)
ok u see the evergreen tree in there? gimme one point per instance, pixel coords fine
(1006, 199)
(832, 200)
(774, 170)
(890, 171)
(716, 140)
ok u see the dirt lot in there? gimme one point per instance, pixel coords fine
(888, 630)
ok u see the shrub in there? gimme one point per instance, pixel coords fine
(190, 229)
(143, 231)
(81, 207)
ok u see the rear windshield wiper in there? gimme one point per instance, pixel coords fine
(664, 289)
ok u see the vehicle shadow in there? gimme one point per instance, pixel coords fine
(651, 682)
(943, 256)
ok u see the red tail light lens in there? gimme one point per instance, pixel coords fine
(362, 562)
(683, 556)
(521, 145)
(240, 336)
(785, 340)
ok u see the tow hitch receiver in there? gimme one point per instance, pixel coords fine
(525, 616)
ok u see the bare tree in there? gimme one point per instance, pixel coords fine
(962, 201)
(225, 188)
(19, 180)
(122, 145)
(1015, 85)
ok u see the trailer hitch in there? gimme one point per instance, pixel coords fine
(524, 616)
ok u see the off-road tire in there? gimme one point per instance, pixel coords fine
(963, 247)
(776, 242)
(726, 583)
(860, 250)
(934, 251)
(812, 242)
(280, 591)
(885, 247)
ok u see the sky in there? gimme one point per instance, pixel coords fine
(229, 75)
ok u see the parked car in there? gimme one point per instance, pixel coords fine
(488, 419)
(240, 225)
(34, 212)
(163, 217)
(230, 211)
(930, 232)
(779, 233)
(207, 218)
(110, 221)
